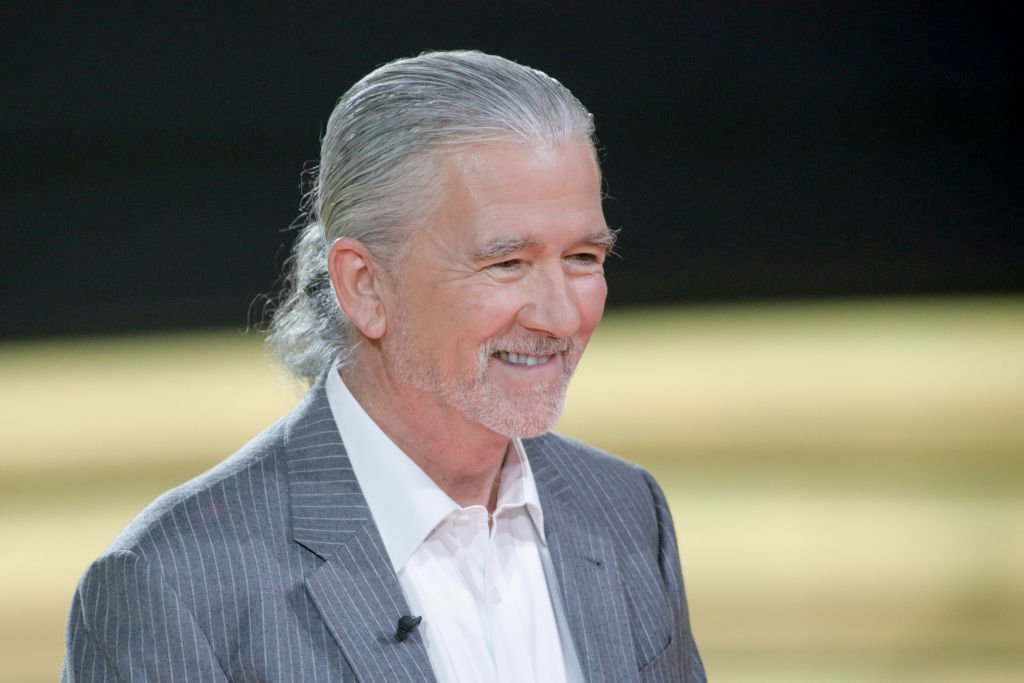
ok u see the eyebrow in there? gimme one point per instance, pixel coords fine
(604, 238)
(504, 246)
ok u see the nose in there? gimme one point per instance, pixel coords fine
(552, 306)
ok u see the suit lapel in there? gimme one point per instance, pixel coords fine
(588, 576)
(358, 595)
(355, 589)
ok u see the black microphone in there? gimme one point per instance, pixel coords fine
(406, 625)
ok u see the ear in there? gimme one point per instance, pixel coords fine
(354, 274)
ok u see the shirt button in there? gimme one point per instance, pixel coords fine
(495, 596)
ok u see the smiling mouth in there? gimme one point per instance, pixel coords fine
(521, 358)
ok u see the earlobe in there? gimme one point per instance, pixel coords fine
(354, 276)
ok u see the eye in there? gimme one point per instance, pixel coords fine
(584, 257)
(508, 264)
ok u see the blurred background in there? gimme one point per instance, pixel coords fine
(815, 332)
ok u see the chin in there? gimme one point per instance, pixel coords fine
(533, 415)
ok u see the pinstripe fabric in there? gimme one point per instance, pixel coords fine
(614, 550)
(269, 568)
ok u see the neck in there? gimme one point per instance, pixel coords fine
(462, 457)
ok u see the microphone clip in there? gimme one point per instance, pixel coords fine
(406, 625)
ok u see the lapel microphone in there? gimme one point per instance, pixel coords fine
(406, 625)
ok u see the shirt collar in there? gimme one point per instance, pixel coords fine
(405, 503)
(518, 487)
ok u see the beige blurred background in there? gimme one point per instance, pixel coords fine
(847, 477)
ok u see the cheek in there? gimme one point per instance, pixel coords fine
(490, 311)
(469, 323)
(592, 295)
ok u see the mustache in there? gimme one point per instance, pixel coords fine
(533, 345)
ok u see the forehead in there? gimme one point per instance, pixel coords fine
(508, 189)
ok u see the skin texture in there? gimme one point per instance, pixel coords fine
(512, 262)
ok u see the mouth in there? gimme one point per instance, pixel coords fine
(521, 358)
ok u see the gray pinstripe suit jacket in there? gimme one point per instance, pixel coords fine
(270, 568)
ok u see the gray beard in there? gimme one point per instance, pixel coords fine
(522, 413)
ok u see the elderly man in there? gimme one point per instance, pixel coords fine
(412, 518)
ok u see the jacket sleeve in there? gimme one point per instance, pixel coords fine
(127, 624)
(683, 654)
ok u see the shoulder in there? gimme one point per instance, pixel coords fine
(206, 547)
(241, 497)
(212, 505)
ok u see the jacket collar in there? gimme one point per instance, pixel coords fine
(355, 589)
(586, 566)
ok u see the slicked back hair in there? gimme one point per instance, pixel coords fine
(378, 173)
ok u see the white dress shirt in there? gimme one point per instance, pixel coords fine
(487, 593)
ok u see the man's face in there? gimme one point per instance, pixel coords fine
(495, 300)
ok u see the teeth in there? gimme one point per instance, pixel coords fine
(521, 358)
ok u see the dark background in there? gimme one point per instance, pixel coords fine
(152, 155)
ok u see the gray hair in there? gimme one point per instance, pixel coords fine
(378, 172)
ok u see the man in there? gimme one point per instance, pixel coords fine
(411, 518)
